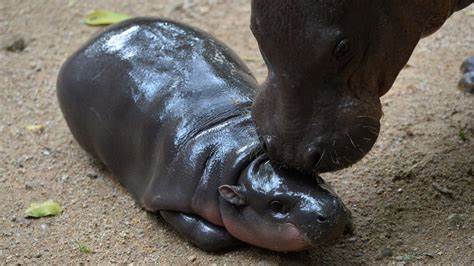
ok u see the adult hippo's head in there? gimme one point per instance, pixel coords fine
(329, 62)
(281, 210)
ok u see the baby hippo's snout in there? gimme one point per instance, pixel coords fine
(323, 219)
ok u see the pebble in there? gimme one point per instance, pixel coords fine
(192, 258)
(44, 226)
(443, 190)
(456, 220)
(15, 45)
(352, 239)
(92, 176)
(387, 252)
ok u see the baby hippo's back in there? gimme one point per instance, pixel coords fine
(137, 93)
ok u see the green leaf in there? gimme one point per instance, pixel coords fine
(47, 208)
(104, 17)
(83, 248)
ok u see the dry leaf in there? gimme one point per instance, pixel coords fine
(35, 128)
(104, 17)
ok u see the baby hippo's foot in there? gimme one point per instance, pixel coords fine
(200, 232)
(466, 84)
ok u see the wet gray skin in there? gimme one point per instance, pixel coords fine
(167, 109)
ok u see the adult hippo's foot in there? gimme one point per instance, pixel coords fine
(200, 232)
(466, 84)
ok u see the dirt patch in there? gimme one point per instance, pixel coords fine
(412, 196)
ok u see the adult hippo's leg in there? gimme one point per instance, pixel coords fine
(200, 232)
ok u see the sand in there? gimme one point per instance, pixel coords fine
(412, 197)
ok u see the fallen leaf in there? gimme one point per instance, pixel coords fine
(35, 128)
(83, 248)
(104, 17)
(47, 208)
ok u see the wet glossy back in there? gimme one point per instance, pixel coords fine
(138, 94)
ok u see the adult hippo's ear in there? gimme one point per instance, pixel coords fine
(233, 194)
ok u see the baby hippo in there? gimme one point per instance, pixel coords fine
(167, 109)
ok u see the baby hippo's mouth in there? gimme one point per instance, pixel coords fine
(324, 234)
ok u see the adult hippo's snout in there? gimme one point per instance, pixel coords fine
(340, 135)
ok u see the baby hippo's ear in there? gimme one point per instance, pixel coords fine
(233, 194)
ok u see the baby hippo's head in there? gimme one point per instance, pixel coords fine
(281, 210)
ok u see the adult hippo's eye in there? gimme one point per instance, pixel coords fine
(277, 207)
(342, 49)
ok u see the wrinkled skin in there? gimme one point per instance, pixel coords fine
(167, 109)
(329, 63)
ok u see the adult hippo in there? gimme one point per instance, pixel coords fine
(167, 109)
(329, 62)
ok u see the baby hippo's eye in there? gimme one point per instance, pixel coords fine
(277, 207)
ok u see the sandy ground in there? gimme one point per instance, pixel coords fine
(427, 141)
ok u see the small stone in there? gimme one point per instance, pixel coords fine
(456, 220)
(192, 258)
(400, 190)
(359, 254)
(46, 152)
(44, 226)
(352, 239)
(387, 252)
(92, 176)
(15, 45)
(443, 190)
(39, 255)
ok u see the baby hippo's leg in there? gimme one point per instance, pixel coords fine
(200, 232)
